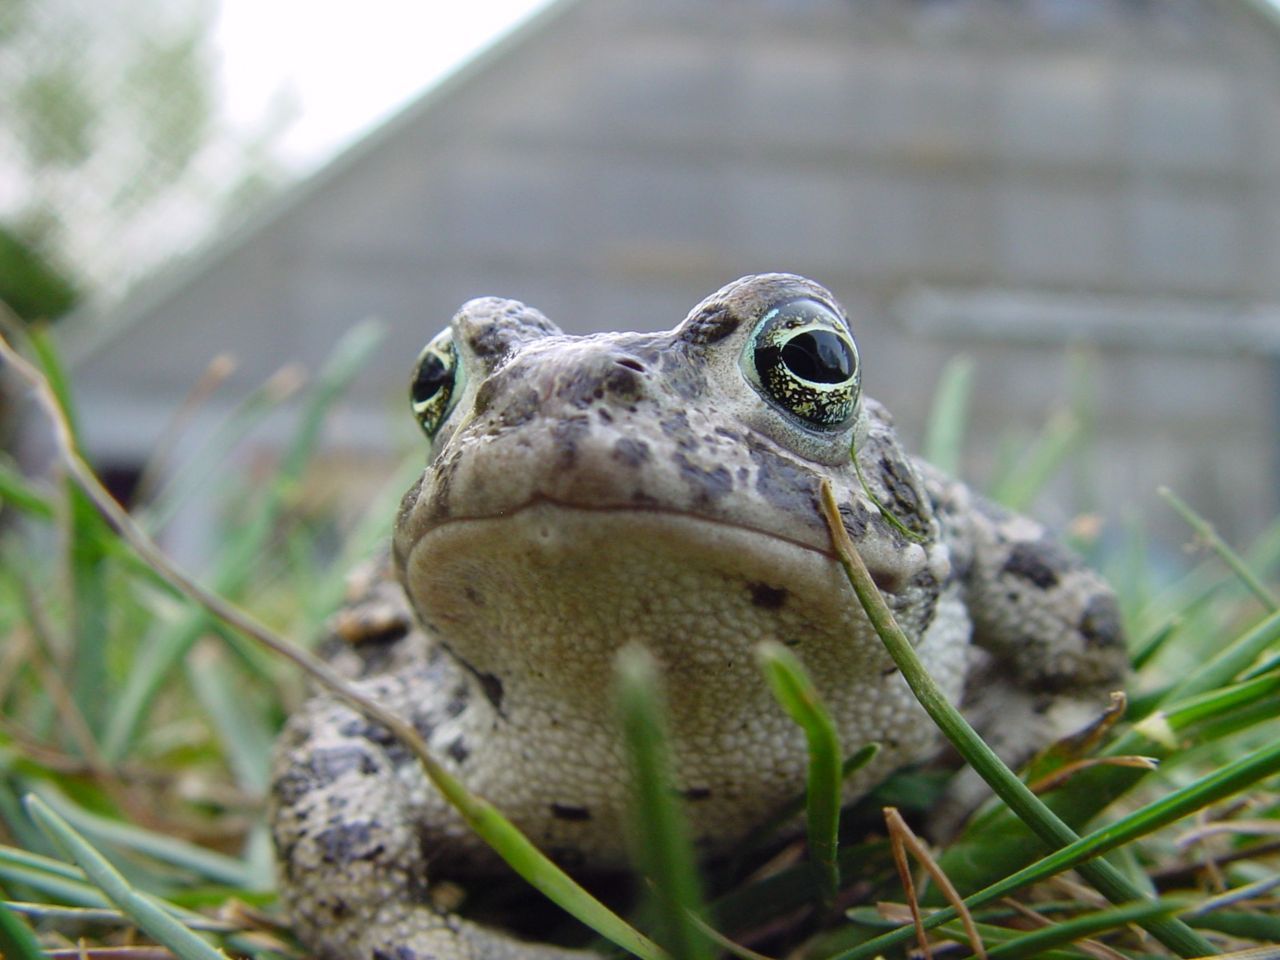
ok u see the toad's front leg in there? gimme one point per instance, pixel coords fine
(347, 811)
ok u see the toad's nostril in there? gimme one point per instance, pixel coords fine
(630, 364)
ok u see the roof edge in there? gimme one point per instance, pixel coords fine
(88, 329)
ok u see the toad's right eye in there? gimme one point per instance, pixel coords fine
(437, 383)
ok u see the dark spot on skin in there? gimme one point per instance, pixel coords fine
(459, 750)
(767, 597)
(425, 723)
(855, 517)
(711, 325)
(460, 692)
(521, 405)
(373, 732)
(566, 811)
(491, 340)
(345, 843)
(492, 687)
(676, 428)
(473, 595)
(733, 436)
(631, 452)
(396, 953)
(904, 499)
(886, 581)
(622, 382)
(290, 787)
(566, 433)
(1040, 562)
(696, 793)
(1100, 624)
(683, 375)
(708, 485)
(457, 701)
(581, 387)
(330, 763)
(784, 484)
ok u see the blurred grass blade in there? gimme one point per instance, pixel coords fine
(44, 875)
(193, 475)
(239, 560)
(138, 906)
(1230, 662)
(241, 729)
(202, 863)
(1205, 530)
(1060, 435)
(1035, 943)
(1029, 808)
(45, 349)
(660, 841)
(795, 693)
(949, 415)
(22, 495)
(17, 942)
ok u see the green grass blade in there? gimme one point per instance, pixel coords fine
(241, 730)
(46, 352)
(1231, 661)
(1035, 943)
(239, 561)
(193, 476)
(199, 861)
(1029, 808)
(949, 415)
(660, 841)
(797, 696)
(1205, 530)
(17, 942)
(21, 495)
(1225, 782)
(1060, 436)
(139, 907)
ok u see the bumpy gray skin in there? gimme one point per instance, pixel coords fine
(590, 492)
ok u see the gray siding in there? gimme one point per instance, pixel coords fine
(622, 158)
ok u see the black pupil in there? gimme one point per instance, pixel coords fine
(430, 378)
(818, 356)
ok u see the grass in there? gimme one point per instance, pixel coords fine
(136, 723)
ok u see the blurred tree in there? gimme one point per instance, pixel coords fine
(113, 152)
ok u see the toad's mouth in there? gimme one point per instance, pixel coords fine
(526, 538)
(556, 574)
(538, 602)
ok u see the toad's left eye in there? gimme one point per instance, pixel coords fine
(437, 383)
(803, 358)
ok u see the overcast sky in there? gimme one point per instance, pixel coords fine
(347, 65)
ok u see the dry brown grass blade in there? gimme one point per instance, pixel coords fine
(1067, 771)
(901, 840)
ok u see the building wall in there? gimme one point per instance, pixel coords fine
(626, 157)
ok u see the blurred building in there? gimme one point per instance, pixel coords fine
(1011, 180)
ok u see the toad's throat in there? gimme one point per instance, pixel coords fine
(543, 598)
